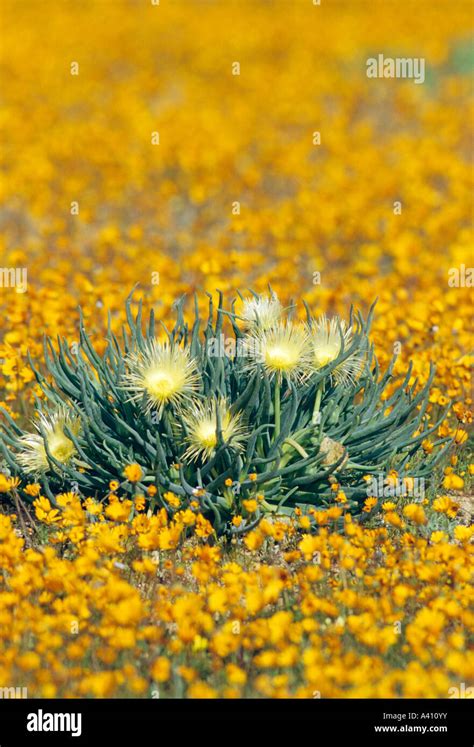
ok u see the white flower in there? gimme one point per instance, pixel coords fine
(162, 374)
(261, 311)
(33, 457)
(201, 425)
(281, 350)
(326, 347)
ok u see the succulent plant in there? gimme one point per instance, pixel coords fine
(224, 409)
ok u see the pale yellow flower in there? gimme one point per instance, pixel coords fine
(33, 457)
(161, 374)
(328, 338)
(261, 312)
(281, 350)
(202, 424)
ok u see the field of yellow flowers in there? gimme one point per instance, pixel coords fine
(189, 146)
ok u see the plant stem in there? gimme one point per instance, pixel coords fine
(277, 407)
(20, 517)
(297, 447)
(317, 403)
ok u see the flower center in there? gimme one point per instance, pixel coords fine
(161, 384)
(61, 448)
(280, 358)
(207, 434)
(324, 355)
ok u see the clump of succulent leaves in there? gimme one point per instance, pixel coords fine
(249, 402)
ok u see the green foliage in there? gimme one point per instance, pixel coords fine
(287, 465)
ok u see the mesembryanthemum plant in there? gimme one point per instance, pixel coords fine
(256, 405)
